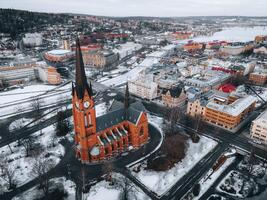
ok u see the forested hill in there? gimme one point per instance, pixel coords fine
(15, 22)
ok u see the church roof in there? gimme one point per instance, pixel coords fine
(117, 114)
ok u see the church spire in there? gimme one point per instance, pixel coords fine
(80, 80)
(127, 97)
(91, 88)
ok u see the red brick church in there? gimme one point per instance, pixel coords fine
(98, 138)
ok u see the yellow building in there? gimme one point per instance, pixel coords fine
(230, 115)
(197, 105)
(221, 109)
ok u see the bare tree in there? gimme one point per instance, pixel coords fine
(27, 143)
(127, 189)
(198, 123)
(40, 121)
(18, 109)
(36, 107)
(172, 117)
(54, 139)
(107, 169)
(8, 173)
(40, 170)
(251, 159)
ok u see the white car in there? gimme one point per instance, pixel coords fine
(257, 141)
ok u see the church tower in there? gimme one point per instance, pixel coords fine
(83, 109)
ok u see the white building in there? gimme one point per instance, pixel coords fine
(144, 87)
(209, 80)
(258, 130)
(32, 39)
(49, 75)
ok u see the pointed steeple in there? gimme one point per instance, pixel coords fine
(91, 88)
(127, 97)
(80, 80)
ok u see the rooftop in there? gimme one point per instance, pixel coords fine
(59, 52)
(262, 118)
(235, 108)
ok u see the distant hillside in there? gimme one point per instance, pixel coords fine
(16, 22)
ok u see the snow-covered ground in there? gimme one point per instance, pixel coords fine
(35, 193)
(160, 182)
(104, 190)
(206, 183)
(26, 92)
(22, 96)
(238, 185)
(258, 169)
(22, 164)
(235, 34)
(156, 122)
(19, 123)
(122, 79)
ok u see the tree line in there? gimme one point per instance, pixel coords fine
(15, 22)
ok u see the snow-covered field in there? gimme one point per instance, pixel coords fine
(22, 164)
(105, 190)
(26, 92)
(22, 96)
(160, 182)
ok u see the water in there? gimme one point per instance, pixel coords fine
(235, 34)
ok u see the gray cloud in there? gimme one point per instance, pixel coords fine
(144, 7)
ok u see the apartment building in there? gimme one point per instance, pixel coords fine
(221, 109)
(236, 49)
(19, 72)
(259, 78)
(208, 80)
(196, 106)
(100, 59)
(229, 115)
(192, 46)
(258, 130)
(144, 87)
(49, 75)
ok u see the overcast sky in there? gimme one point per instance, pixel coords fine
(144, 7)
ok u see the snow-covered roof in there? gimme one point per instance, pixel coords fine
(262, 118)
(235, 108)
(59, 52)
